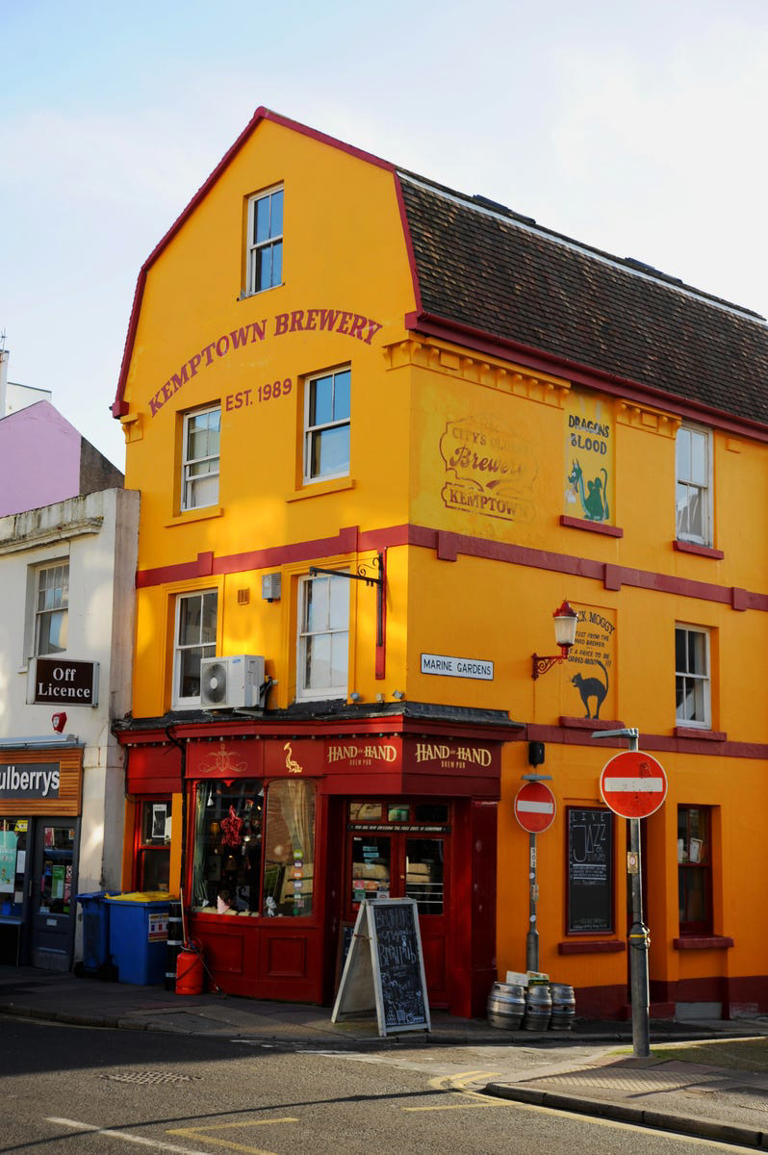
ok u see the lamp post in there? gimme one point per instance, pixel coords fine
(565, 619)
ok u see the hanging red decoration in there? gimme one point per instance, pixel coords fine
(230, 829)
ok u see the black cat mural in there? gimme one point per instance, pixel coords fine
(592, 688)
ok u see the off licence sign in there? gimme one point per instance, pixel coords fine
(633, 784)
(535, 807)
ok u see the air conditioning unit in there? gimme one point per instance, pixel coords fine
(230, 683)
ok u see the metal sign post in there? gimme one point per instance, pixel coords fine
(634, 786)
(535, 811)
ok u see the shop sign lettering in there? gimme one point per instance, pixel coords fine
(488, 470)
(451, 755)
(30, 780)
(457, 667)
(362, 754)
(354, 325)
(54, 681)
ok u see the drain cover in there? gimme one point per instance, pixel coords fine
(147, 1077)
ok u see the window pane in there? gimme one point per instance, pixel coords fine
(321, 401)
(276, 214)
(339, 603)
(319, 662)
(699, 459)
(317, 600)
(332, 450)
(190, 612)
(697, 653)
(370, 867)
(683, 454)
(424, 873)
(277, 263)
(341, 395)
(680, 652)
(262, 219)
(289, 849)
(208, 630)
(339, 652)
(264, 268)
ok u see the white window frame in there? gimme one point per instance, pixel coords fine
(338, 631)
(696, 682)
(59, 608)
(703, 488)
(191, 479)
(207, 649)
(273, 241)
(313, 431)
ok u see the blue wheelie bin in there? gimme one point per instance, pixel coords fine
(138, 936)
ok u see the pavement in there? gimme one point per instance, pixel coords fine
(704, 1078)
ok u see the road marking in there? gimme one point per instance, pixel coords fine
(457, 1084)
(197, 1133)
(87, 1128)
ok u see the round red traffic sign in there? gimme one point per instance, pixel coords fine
(535, 807)
(633, 784)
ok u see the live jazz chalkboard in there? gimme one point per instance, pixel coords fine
(384, 969)
(590, 871)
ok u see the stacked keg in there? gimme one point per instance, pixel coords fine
(506, 1006)
(538, 1007)
(563, 1007)
(534, 1005)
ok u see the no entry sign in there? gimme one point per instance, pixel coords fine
(535, 807)
(633, 784)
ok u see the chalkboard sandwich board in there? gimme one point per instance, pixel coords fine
(384, 968)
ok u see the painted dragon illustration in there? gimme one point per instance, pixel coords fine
(594, 503)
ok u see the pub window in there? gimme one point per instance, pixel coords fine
(327, 416)
(692, 677)
(153, 848)
(694, 869)
(265, 241)
(693, 494)
(195, 639)
(323, 642)
(200, 461)
(590, 871)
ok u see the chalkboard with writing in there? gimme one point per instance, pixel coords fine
(590, 871)
(384, 968)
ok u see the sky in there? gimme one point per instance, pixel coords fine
(636, 127)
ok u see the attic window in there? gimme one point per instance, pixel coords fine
(265, 241)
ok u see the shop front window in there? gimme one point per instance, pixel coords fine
(153, 854)
(13, 857)
(289, 848)
(254, 851)
(227, 853)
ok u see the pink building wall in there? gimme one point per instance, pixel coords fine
(39, 458)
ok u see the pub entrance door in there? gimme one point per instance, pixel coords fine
(399, 849)
(53, 903)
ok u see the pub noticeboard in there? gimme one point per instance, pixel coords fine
(384, 968)
(590, 871)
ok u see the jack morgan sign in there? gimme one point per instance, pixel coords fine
(62, 682)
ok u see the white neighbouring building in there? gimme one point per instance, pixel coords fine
(67, 572)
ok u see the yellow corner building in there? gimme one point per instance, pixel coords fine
(382, 431)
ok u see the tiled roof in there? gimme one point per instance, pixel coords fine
(479, 265)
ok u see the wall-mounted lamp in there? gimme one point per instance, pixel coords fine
(398, 694)
(566, 620)
(354, 696)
